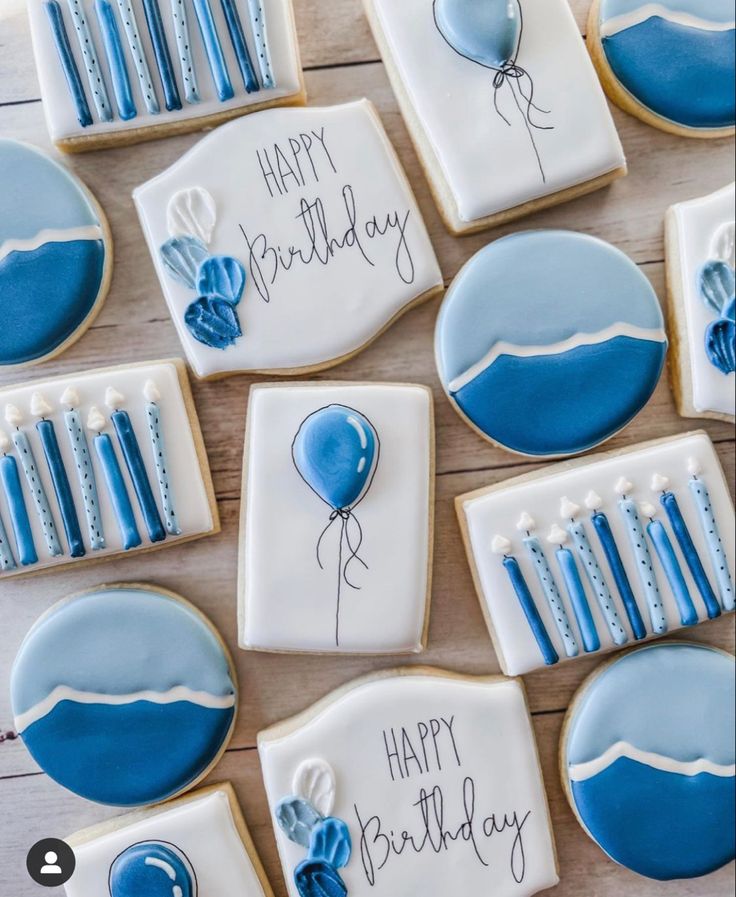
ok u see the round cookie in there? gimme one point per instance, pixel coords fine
(647, 759)
(125, 694)
(550, 342)
(55, 256)
(672, 64)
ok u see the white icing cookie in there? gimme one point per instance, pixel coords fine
(99, 463)
(502, 102)
(437, 790)
(590, 555)
(121, 71)
(198, 844)
(336, 520)
(702, 295)
(288, 241)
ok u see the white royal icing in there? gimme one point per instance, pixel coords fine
(269, 176)
(580, 772)
(287, 601)
(628, 474)
(489, 165)
(314, 781)
(704, 229)
(420, 741)
(202, 829)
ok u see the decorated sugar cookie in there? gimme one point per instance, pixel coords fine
(548, 321)
(287, 242)
(600, 553)
(100, 463)
(55, 256)
(124, 695)
(120, 71)
(648, 760)
(411, 781)
(672, 63)
(195, 846)
(701, 282)
(508, 117)
(336, 521)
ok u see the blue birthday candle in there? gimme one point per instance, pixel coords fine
(213, 48)
(667, 557)
(89, 54)
(502, 546)
(68, 64)
(85, 470)
(575, 589)
(158, 446)
(16, 504)
(115, 59)
(602, 526)
(242, 54)
(671, 506)
(711, 533)
(184, 46)
(138, 54)
(161, 52)
(263, 50)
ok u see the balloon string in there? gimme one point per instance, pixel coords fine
(514, 74)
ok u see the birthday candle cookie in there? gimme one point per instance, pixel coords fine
(124, 694)
(195, 846)
(648, 759)
(99, 463)
(502, 103)
(288, 241)
(590, 555)
(115, 72)
(549, 321)
(701, 286)
(336, 518)
(55, 256)
(671, 63)
(412, 781)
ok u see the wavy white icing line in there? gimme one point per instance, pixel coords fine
(173, 696)
(51, 235)
(637, 16)
(579, 772)
(574, 342)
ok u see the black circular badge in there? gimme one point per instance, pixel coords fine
(51, 862)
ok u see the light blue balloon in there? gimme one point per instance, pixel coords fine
(336, 452)
(297, 818)
(154, 869)
(485, 31)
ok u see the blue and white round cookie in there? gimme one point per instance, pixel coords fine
(549, 342)
(124, 695)
(648, 759)
(55, 256)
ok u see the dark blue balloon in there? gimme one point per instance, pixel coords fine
(317, 879)
(153, 869)
(213, 322)
(336, 452)
(485, 31)
(221, 277)
(331, 843)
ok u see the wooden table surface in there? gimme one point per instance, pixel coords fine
(341, 63)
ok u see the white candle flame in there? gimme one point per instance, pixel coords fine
(95, 420)
(113, 398)
(557, 535)
(593, 501)
(70, 398)
(647, 509)
(568, 509)
(500, 545)
(694, 466)
(526, 523)
(660, 483)
(151, 392)
(13, 415)
(39, 406)
(624, 486)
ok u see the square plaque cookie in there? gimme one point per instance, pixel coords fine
(607, 551)
(196, 846)
(336, 518)
(502, 102)
(287, 241)
(117, 72)
(411, 782)
(101, 463)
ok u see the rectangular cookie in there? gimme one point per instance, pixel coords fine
(116, 72)
(502, 102)
(100, 463)
(598, 553)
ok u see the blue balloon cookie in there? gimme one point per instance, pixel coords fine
(123, 695)
(550, 342)
(153, 869)
(55, 256)
(648, 760)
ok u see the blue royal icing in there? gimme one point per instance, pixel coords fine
(153, 869)
(678, 60)
(486, 31)
(221, 277)
(237, 37)
(62, 489)
(673, 571)
(116, 59)
(213, 48)
(68, 63)
(118, 491)
(20, 521)
(297, 818)
(656, 815)
(124, 696)
(138, 475)
(161, 54)
(331, 843)
(183, 257)
(317, 879)
(552, 290)
(213, 322)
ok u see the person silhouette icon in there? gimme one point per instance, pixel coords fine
(51, 868)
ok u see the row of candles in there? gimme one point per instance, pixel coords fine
(97, 423)
(583, 555)
(113, 46)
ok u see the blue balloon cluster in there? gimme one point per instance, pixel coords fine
(328, 843)
(219, 282)
(154, 869)
(718, 289)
